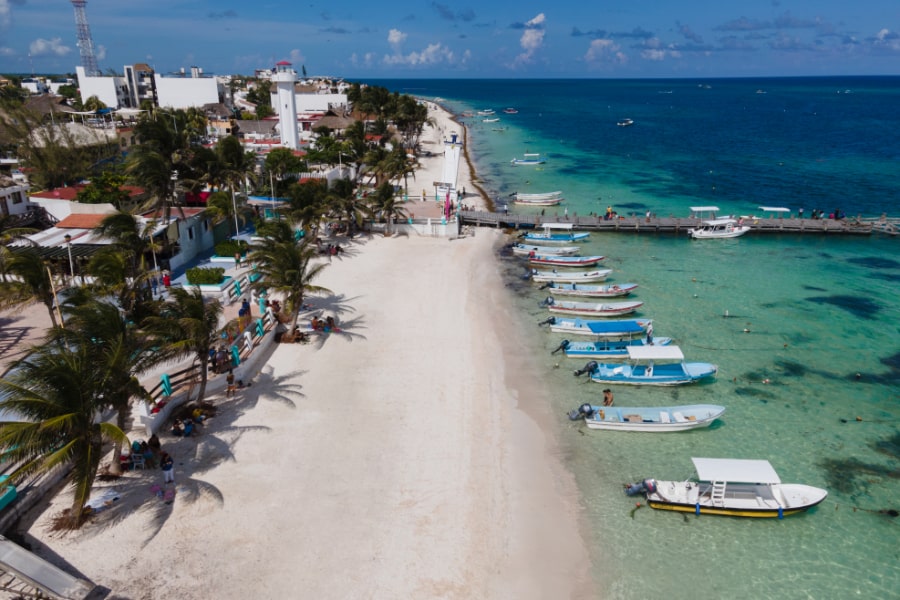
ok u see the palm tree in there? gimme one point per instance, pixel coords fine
(187, 327)
(32, 280)
(385, 203)
(345, 204)
(287, 266)
(121, 348)
(57, 392)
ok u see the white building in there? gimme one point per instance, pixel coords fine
(142, 83)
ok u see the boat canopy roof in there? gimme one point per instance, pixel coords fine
(778, 209)
(599, 327)
(715, 222)
(655, 353)
(557, 225)
(704, 209)
(735, 470)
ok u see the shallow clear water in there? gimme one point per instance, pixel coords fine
(810, 341)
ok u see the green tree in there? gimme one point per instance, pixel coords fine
(287, 266)
(386, 205)
(105, 188)
(57, 393)
(187, 326)
(32, 280)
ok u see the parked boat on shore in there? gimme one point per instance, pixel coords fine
(615, 290)
(606, 348)
(592, 309)
(650, 365)
(617, 329)
(552, 260)
(555, 233)
(528, 249)
(570, 276)
(731, 487)
(657, 419)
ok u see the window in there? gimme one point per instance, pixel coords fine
(17, 198)
(191, 232)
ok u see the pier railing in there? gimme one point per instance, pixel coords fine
(678, 225)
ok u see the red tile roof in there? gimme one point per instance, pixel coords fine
(81, 221)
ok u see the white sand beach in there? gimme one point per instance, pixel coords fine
(406, 456)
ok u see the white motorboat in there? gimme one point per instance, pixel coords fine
(655, 419)
(718, 228)
(731, 487)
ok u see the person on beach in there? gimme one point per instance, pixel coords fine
(650, 334)
(229, 380)
(167, 464)
(607, 397)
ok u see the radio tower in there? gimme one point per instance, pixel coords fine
(85, 43)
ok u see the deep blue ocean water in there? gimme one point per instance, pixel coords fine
(812, 337)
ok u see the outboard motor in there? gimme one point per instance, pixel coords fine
(562, 346)
(647, 486)
(546, 285)
(548, 321)
(548, 301)
(587, 368)
(585, 411)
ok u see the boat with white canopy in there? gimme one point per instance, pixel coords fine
(731, 487)
(650, 365)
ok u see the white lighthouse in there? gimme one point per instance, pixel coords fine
(285, 77)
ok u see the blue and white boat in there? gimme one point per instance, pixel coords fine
(608, 349)
(649, 418)
(615, 290)
(592, 309)
(551, 235)
(650, 365)
(531, 158)
(617, 329)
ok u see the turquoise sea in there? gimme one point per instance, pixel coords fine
(808, 354)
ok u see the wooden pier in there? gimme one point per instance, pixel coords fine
(679, 225)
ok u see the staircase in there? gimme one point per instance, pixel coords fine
(718, 493)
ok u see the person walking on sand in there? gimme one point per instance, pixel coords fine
(167, 464)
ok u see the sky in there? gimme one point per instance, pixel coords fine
(464, 39)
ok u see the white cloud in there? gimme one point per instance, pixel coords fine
(6, 12)
(887, 38)
(651, 54)
(100, 52)
(4, 51)
(296, 57)
(396, 37)
(431, 55)
(605, 51)
(366, 60)
(532, 38)
(42, 47)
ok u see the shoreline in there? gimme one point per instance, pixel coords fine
(421, 458)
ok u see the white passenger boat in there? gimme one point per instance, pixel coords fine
(718, 228)
(544, 199)
(606, 349)
(652, 418)
(650, 365)
(528, 249)
(731, 487)
(614, 290)
(570, 276)
(592, 309)
(555, 260)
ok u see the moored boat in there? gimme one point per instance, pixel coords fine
(625, 123)
(618, 329)
(527, 249)
(730, 487)
(650, 365)
(544, 199)
(615, 290)
(552, 260)
(592, 309)
(655, 418)
(606, 349)
(570, 276)
(510, 111)
(555, 233)
(718, 228)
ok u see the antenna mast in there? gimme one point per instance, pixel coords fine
(85, 43)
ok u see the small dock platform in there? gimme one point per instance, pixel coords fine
(679, 225)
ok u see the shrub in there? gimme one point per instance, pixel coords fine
(231, 247)
(205, 275)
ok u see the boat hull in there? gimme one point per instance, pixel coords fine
(526, 249)
(564, 261)
(592, 291)
(544, 202)
(742, 500)
(610, 349)
(660, 375)
(594, 310)
(582, 327)
(571, 277)
(555, 238)
(654, 419)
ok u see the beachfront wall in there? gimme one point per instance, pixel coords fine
(421, 227)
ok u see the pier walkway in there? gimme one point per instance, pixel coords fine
(679, 225)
